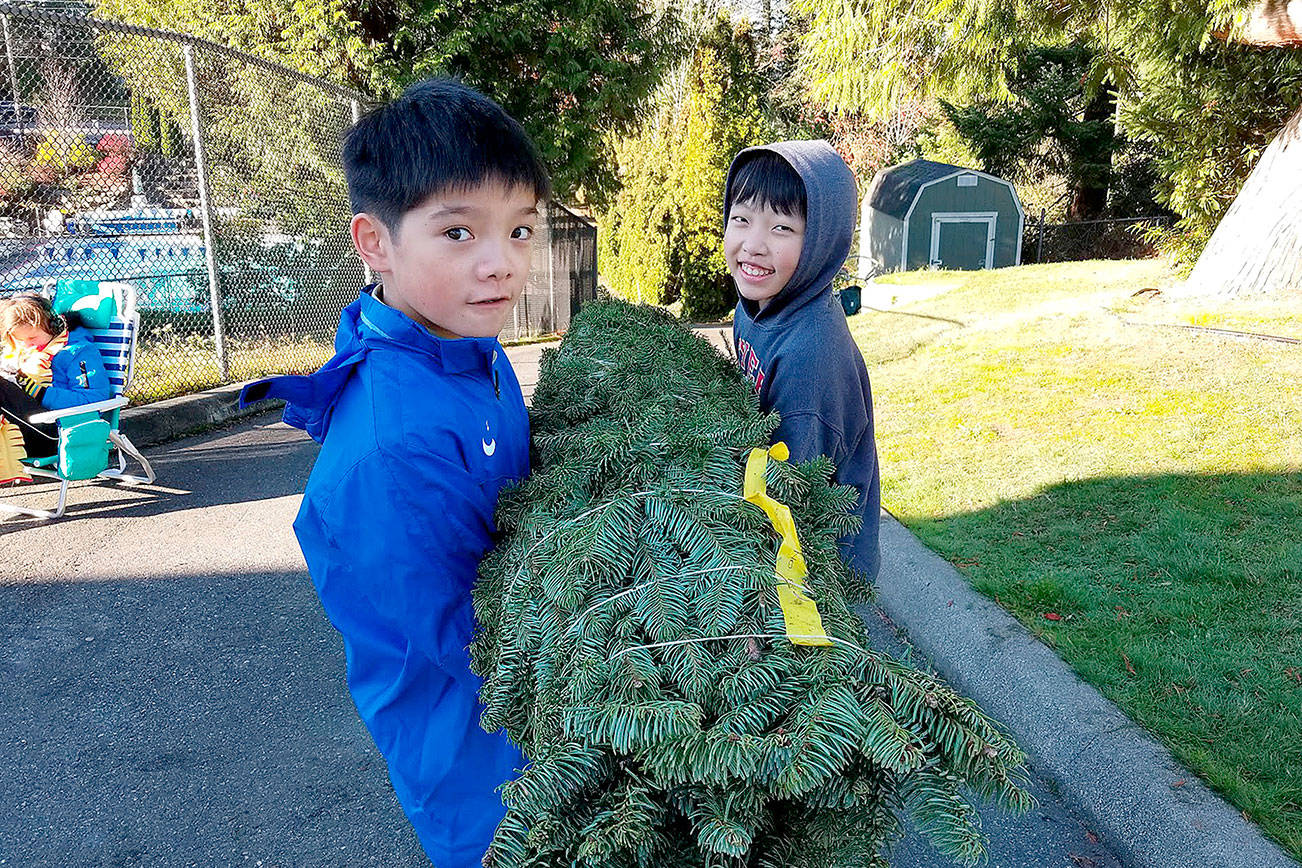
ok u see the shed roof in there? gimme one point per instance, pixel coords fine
(895, 188)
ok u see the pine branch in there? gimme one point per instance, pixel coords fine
(632, 643)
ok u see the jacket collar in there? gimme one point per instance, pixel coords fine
(380, 323)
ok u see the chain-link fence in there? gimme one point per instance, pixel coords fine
(1078, 240)
(211, 180)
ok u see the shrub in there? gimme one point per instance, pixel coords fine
(62, 153)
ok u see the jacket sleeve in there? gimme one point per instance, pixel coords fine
(808, 436)
(406, 534)
(71, 385)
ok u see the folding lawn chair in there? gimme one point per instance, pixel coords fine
(88, 433)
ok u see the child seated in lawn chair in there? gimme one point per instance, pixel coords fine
(45, 364)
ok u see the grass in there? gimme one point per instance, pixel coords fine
(1142, 484)
(530, 340)
(171, 364)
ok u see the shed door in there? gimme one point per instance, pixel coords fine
(963, 240)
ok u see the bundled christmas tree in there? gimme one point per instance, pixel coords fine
(680, 663)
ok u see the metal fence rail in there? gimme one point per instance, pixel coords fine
(1120, 238)
(213, 181)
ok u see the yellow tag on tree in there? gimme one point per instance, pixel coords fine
(799, 612)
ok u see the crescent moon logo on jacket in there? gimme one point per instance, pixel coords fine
(490, 444)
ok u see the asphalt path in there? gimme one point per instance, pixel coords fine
(173, 694)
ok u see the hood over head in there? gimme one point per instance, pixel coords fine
(831, 206)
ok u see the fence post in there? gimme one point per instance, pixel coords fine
(551, 261)
(13, 78)
(205, 208)
(1039, 241)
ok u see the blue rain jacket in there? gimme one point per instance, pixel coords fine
(77, 374)
(418, 434)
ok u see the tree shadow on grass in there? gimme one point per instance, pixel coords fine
(1180, 598)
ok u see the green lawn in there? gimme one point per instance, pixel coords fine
(1142, 483)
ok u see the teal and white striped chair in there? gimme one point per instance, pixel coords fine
(88, 433)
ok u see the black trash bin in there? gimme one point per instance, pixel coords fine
(851, 299)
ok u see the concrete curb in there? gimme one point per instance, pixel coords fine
(151, 424)
(1106, 764)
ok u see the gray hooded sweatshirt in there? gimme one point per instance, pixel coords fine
(798, 350)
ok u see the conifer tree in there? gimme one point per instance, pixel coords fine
(632, 642)
(661, 239)
(1208, 109)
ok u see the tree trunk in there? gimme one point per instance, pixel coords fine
(1257, 248)
(1089, 195)
(1274, 22)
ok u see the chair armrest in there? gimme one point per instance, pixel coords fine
(98, 407)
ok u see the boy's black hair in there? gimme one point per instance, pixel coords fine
(439, 135)
(768, 180)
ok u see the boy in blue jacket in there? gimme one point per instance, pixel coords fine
(789, 211)
(45, 364)
(421, 422)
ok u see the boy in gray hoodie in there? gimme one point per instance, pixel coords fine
(789, 214)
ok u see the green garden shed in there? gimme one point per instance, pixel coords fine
(923, 213)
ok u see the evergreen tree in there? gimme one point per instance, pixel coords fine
(634, 644)
(570, 71)
(145, 132)
(633, 237)
(1051, 128)
(1256, 249)
(1207, 108)
(662, 237)
(721, 116)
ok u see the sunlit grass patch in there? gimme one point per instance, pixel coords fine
(1041, 428)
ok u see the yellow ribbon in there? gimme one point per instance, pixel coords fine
(799, 612)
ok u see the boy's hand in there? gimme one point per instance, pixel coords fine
(35, 366)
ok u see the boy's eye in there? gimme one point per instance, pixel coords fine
(737, 218)
(522, 233)
(459, 233)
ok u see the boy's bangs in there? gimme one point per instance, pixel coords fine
(768, 181)
(494, 159)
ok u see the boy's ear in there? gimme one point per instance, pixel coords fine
(372, 240)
